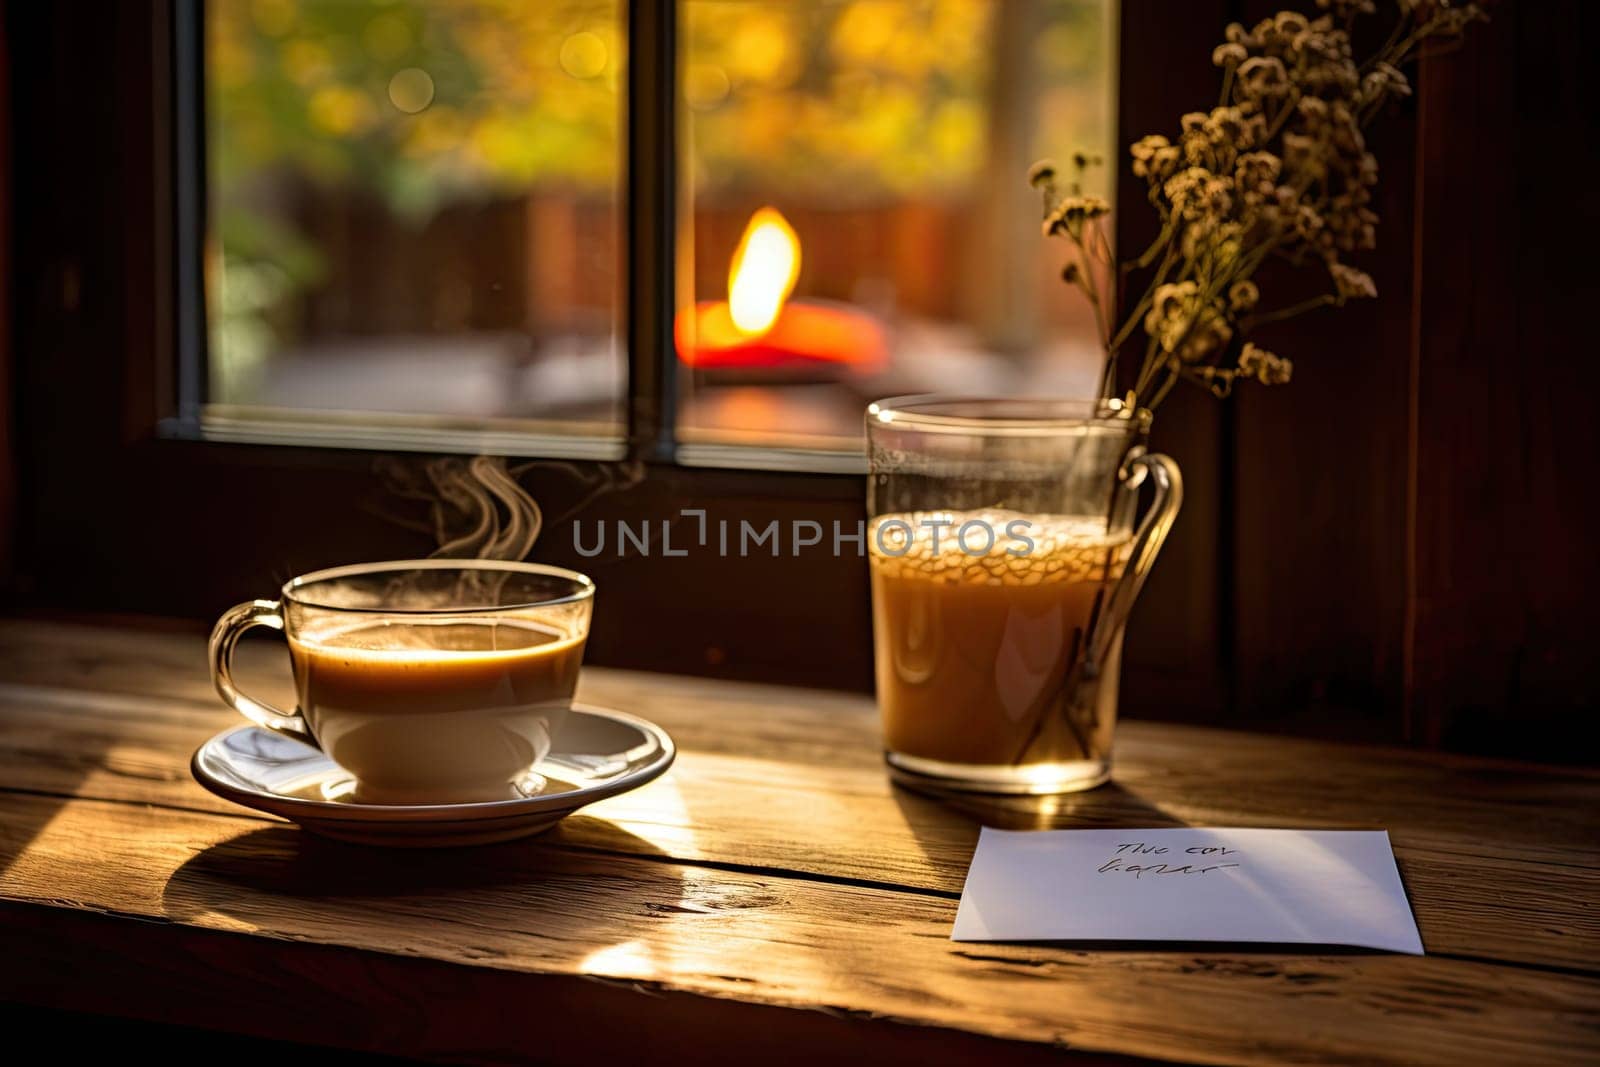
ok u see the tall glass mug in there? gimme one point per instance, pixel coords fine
(1004, 560)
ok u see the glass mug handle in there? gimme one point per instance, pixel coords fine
(1164, 475)
(234, 622)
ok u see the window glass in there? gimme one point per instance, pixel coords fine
(413, 212)
(861, 222)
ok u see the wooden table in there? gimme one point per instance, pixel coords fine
(771, 899)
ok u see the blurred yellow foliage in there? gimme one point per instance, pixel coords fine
(852, 98)
(340, 110)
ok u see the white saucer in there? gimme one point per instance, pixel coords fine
(598, 754)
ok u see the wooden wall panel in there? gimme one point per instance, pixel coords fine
(1506, 377)
(1175, 660)
(8, 483)
(1284, 582)
(1319, 483)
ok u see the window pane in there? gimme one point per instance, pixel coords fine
(892, 140)
(413, 214)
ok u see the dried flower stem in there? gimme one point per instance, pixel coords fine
(1309, 304)
(1279, 168)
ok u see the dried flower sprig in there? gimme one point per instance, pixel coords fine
(1278, 169)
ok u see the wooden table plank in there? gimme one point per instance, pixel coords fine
(775, 866)
(777, 940)
(808, 818)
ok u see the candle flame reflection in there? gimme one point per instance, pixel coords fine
(763, 272)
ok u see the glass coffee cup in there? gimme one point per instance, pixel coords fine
(432, 681)
(1004, 560)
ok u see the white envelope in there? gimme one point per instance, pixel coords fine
(1315, 887)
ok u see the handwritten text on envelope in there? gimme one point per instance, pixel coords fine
(1322, 887)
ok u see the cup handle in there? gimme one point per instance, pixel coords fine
(1164, 475)
(234, 622)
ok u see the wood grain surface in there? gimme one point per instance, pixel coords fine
(774, 887)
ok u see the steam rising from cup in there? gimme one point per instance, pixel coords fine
(480, 512)
(475, 510)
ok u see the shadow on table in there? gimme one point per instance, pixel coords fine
(283, 880)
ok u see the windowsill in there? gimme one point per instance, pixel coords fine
(747, 457)
(383, 432)
(553, 439)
